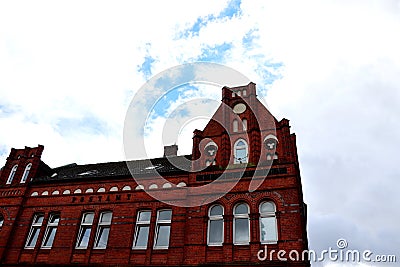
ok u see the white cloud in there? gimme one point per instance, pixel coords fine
(339, 87)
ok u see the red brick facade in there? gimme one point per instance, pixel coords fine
(70, 191)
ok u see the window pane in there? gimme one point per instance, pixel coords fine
(144, 216)
(241, 230)
(240, 143)
(38, 219)
(102, 238)
(106, 217)
(244, 125)
(1, 220)
(50, 237)
(235, 126)
(163, 236)
(267, 207)
(88, 217)
(33, 237)
(215, 234)
(55, 219)
(268, 229)
(241, 154)
(216, 210)
(84, 238)
(164, 215)
(142, 236)
(241, 209)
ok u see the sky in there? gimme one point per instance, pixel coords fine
(69, 69)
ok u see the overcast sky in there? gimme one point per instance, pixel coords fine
(69, 69)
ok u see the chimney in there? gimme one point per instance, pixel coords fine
(171, 151)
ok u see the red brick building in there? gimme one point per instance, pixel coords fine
(97, 214)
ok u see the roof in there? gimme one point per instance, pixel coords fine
(146, 167)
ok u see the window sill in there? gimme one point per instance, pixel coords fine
(241, 244)
(161, 249)
(269, 243)
(214, 245)
(139, 248)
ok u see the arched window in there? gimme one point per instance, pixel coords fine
(233, 94)
(244, 92)
(241, 224)
(1, 220)
(240, 152)
(67, 192)
(211, 149)
(235, 126)
(126, 188)
(244, 122)
(215, 226)
(153, 186)
(268, 225)
(239, 93)
(167, 185)
(26, 173)
(139, 187)
(181, 184)
(12, 174)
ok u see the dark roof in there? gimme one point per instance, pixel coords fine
(147, 167)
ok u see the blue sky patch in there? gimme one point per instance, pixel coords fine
(215, 53)
(232, 9)
(145, 68)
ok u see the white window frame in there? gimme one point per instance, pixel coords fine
(215, 218)
(140, 225)
(270, 214)
(83, 226)
(26, 173)
(101, 226)
(236, 147)
(160, 223)
(35, 228)
(51, 226)
(12, 174)
(241, 216)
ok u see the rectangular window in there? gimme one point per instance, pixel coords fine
(242, 231)
(268, 230)
(142, 230)
(163, 228)
(34, 231)
(51, 230)
(103, 230)
(84, 230)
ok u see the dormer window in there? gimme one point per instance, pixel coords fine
(211, 149)
(239, 93)
(26, 173)
(270, 142)
(12, 174)
(244, 92)
(241, 152)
